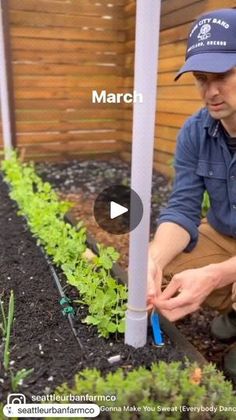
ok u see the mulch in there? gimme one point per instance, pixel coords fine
(41, 336)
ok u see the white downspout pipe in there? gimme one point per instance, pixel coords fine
(145, 82)
(4, 92)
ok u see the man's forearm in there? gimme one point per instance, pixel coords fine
(170, 239)
(225, 272)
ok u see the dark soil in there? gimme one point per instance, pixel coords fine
(81, 182)
(42, 338)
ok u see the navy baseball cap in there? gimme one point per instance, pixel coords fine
(211, 43)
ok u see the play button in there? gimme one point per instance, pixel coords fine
(116, 210)
(113, 210)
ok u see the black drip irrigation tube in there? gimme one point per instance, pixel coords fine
(64, 301)
(169, 328)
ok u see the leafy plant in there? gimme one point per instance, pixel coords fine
(66, 245)
(163, 386)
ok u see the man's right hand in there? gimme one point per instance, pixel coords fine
(154, 278)
(170, 239)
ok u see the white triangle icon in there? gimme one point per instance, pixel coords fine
(116, 210)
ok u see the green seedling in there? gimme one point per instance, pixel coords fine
(18, 378)
(3, 324)
(9, 322)
(6, 326)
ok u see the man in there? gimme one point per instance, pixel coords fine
(200, 255)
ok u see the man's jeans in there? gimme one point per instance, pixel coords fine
(212, 247)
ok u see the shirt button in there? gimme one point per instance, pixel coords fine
(232, 177)
(234, 206)
(210, 173)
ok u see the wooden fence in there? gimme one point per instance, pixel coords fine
(62, 50)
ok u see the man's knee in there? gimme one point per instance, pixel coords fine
(220, 299)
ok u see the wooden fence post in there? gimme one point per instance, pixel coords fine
(6, 81)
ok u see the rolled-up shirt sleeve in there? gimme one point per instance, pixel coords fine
(184, 206)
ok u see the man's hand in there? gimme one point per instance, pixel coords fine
(170, 239)
(154, 280)
(186, 292)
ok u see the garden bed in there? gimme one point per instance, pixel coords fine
(42, 338)
(80, 182)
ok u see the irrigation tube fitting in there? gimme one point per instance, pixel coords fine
(66, 306)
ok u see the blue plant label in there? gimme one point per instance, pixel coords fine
(157, 333)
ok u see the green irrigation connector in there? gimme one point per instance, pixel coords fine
(67, 308)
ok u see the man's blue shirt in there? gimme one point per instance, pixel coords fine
(203, 162)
